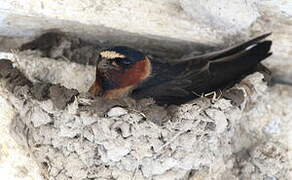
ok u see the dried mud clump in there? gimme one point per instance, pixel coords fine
(267, 160)
(58, 45)
(13, 77)
(15, 81)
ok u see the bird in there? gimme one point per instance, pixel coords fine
(122, 71)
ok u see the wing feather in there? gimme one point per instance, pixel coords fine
(180, 82)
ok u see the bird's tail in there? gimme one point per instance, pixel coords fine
(230, 65)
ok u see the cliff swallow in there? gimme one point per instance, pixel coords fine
(123, 71)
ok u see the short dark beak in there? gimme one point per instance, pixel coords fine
(103, 64)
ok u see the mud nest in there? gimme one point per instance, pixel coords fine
(73, 136)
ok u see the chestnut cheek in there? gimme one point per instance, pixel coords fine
(133, 75)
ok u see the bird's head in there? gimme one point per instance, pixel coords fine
(121, 68)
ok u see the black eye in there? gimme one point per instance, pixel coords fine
(98, 58)
(126, 61)
(123, 61)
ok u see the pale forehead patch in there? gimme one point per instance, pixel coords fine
(111, 55)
